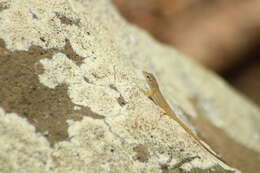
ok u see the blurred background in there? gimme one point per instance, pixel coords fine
(222, 35)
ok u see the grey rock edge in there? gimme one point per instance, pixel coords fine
(131, 136)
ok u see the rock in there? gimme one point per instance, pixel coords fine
(72, 101)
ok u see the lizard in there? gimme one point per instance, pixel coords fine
(155, 94)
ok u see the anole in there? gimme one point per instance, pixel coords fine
(155, 94)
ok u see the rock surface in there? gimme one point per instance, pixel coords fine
(71, 97)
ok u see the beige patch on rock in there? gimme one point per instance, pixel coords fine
(3, 6)
(67, 21)
(21, 92)
(215, 169)
(142, 153)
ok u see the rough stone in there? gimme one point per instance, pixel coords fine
(71, 96)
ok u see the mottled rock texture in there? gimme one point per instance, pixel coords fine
(71, 97)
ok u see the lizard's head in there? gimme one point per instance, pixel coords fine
(148, 76)
(151, 80)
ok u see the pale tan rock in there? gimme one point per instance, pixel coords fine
(72, 70)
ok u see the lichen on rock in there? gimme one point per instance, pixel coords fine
(72, 98)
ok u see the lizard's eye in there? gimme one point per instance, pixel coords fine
(148, 77)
